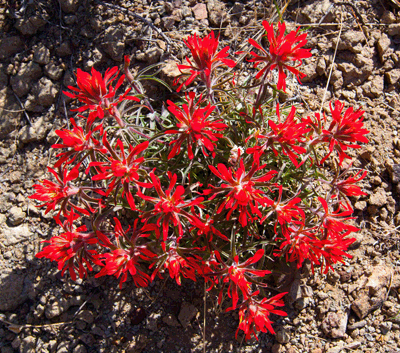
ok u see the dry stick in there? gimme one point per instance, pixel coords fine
(333, 62)
(24, 110)
(204, 318)
(147, 22)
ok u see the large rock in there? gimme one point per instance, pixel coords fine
(21, 83)
(200, 11)
(10, 46)
(14, 289)
(41, 55)
(35, 132)
(393, 76)
(313, 11)
(380, 278)
(334, 324)
(46, 92)
(56, 308)
(14, 235)
(351, 40)
(187, 313)
(383, 46)
(378, 198)
(30, 25)
(374, 87)
(69, 6)
(10, 112)
(114, 42)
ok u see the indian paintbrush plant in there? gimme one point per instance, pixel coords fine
(217, 187)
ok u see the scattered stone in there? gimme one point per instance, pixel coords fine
(41, 55)
(69, 6)
(28, 345)
(168, 22)
(21, 82)
(16, 215)
(282, 336)
(114, 42)
(88, 339)
(360, 205)
(361, 306)
(313, 12)
(394, 29)
(152, 321)
(14, 235)
(137, 315)
(80, 349)
(351, 40)
(383, 46)
(10, 112)
(13, 289)
(64, 49)
(352, 74)
(53, 71)
(171, 320)
(29, 25)
(217, 14)
(200, 11)
(334, 324)
(56, 308)
(170, 71)
(138, 344)
(310, 70)
(151, 55)
(388, 18)
(10, 46)
(380, 277)
(378, 198)
(337, 79)
(187, 313)
(35, 132)
(374, 87)
(393, 76)
(356, 325)
(46, 92)
(86, 315)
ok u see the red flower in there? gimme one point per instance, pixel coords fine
(344, 131)
(125, 256)
(178, 265)
(205, 59)
(287, 134)
(97, 93)
(347, 187)
(169, 206)
(122, 170)
(284, 51)
(254, 314)
(242, 193)
(60, 192)
(333, 249)
(334, 220)
(285, 211)
(239, 276)
(77, 141)
(70, 249)
(300, 244)
(207, 229)
(194, 127)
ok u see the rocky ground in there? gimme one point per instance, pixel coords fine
(42, 43)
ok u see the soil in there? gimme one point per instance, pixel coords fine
(42, 43)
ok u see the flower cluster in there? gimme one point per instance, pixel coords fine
(249, 183)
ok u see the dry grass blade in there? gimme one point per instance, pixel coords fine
(333, 63)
